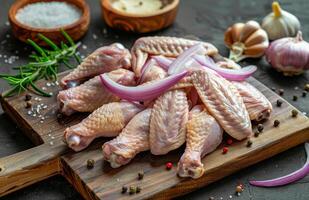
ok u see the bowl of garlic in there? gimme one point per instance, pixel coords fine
(28, 18)
(139, 16)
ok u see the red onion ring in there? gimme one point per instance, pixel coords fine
(290, 178)
(141, 92)
(164, 62)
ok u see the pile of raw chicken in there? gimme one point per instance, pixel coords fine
(162, 94)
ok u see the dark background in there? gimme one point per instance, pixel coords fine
(206, 19)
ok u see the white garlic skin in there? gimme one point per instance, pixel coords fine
(286, 25)
(289, 55)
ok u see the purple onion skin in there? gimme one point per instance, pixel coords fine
(289, 55)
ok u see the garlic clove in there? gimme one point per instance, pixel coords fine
(236, 31)
(256, 50)
(258, 37)
(248, 29)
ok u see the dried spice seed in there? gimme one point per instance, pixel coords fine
(211, 198)
(28, 97)
(138, 189)
(140, 175)
(249, 143)
(28, 104)
(132, 190)
(281, 92)
(225, 150)
(304, 94)
(307, 87)
(260, 127)
(124, 189)
(256, 134)
(279, 103)
(90, 163)
(59, 116)
(276, 123)
(239, 189)
(295, 98)
(294, 113)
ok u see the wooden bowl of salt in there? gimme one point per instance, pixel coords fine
(30, 17)
(140, 16)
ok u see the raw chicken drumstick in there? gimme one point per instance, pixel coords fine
(223, 102)
(168, 122)
(134, 138)
(91, 95)
(256, 103)
(106, 121)
(204, 135)
(104, 59)
(162, 45)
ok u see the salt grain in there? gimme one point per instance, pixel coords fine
(51, 143)
(94, 36)
(7, 36)
(84, 46)
(7, 23)
(48, 14)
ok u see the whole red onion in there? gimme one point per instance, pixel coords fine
(289, 55)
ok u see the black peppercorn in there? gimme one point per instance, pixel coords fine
(124, 189)
(276, 123)
(260, 127)
(295, 98)
(90, 163)
(28, 104)
(138, 189)
(304, 94)
(273, 89)
(28, 97)
(59, 116)
(256, 134)
(279, 103)
(294, 113)
(140, 175)
(132, 190)
(249, 143)
(281, 92)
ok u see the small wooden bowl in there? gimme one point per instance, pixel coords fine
(75, 30)
(139, 23)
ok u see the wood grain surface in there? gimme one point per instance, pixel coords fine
(104, 182)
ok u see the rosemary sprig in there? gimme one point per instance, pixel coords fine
(44, 64)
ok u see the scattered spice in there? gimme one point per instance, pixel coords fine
(28, 97)
(294, 113)
(276, 123)
(307, 87)
(90, 163)
(279, 103)
(132, 190)
(295, 98)
(260, 127)
(211, 198)
(138, 189)
(140, 175)
(225, 150)
(124, 189)
(229, 141)
(273, 89)
(304, 94)
(239, 189)
(169, 165)
(249, 143)
(59, 115)
(256, 134)
(28, 104)
(281, 92)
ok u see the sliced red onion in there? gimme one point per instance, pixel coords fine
(229, 74)
(141, 92)
(145, 69)
(179, 64)
(290, 178)
(164, 62)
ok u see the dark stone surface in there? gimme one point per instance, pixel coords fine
(206, 19)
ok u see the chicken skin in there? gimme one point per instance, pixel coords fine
(204, 134)
(134, 138)
(106, 121)
(91, 95)
(168, 122)
(104, 59)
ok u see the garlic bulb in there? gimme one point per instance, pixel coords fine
(247, 40)
(289, 55)
(280, 23)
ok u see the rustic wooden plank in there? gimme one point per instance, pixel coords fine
(103, 182)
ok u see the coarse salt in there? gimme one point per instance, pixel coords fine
(48, 14)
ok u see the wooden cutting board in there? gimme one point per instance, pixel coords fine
(52, 157)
